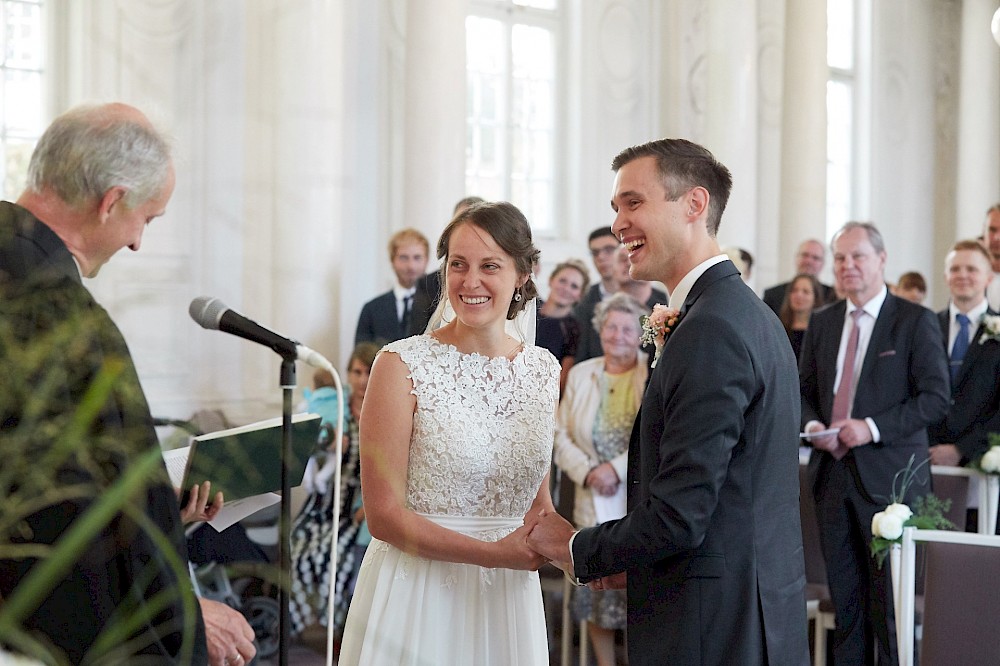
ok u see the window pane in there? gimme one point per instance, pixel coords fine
(21, 108)
(840, 34)
(840, 144)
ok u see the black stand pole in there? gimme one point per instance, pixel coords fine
(285, 521)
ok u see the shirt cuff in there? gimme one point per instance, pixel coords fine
(876, 435)
(572, 565)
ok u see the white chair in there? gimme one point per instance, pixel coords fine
(961, 603)
(989, 489)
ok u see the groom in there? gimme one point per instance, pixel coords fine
(711, 547)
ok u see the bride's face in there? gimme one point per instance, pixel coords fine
(481, 277)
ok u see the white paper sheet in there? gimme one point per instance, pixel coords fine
(610, 507)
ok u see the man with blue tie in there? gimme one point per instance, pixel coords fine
(974, 361)
(873, 368)
(386, 318)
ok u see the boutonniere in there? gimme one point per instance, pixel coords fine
(991, 328)
(657, 325)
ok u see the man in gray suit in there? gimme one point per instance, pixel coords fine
(711, 549)
(873, 367)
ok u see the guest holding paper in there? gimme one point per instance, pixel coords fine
(593, 426)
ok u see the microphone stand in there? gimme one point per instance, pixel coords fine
(287, 381)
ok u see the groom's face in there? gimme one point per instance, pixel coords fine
(648, 224)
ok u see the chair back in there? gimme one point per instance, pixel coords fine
(956, 489)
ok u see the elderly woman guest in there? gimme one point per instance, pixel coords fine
(593, 425)
(802, 295)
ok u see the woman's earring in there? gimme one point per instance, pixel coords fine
(517, 296)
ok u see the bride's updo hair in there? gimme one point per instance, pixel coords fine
(509, 229)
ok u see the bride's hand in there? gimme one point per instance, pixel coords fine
(514, 553)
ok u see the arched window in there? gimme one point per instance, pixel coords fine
(21, 95)
(511, 106)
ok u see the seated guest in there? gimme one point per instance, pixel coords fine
(912, 287)
(558, 330)
(386, 318)
(801, 297)
(594, 422)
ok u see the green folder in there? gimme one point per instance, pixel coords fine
(246, 461)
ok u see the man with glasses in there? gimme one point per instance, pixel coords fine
(603, 250)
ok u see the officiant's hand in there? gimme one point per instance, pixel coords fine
(198, 508)
(613, 582)
(550, 537)
(603, 479)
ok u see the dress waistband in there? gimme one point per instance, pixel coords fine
(476, 526)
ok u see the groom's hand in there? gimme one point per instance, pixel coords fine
(550, 538)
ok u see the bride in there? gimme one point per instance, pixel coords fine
(456, 442)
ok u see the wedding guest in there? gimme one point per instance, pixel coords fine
(873, 367)
(603, 248)
(313, 527)
(591, 447)
(557, 329)
(456, 445)
(386, 318)
(809, 259)
(97, 178)
(991, 238)
(801, 297)
(912, 286)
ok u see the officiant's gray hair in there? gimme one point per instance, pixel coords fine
(620, 302)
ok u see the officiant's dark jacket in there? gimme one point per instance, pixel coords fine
(903, 387)
(124, 571)
(974, 409)
(712, 542)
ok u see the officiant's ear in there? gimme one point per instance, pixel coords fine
(697, 201)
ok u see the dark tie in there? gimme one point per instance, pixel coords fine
(960, 346)
(842, 400)
(404, 323)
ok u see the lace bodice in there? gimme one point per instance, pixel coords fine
(483, 428)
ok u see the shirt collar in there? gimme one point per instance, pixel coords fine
(873, 306)
(683, 288)
(974, 315)
(402, 292)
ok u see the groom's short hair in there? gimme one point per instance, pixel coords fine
(682, 165)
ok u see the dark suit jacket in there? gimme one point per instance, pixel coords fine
(974, 410)
(425, 301)
(712, 543)
(378, 321)
(903, 387)
(775, 296)
(54, 341)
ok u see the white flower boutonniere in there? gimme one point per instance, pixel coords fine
(990, 461)
(991, 328)
(657, 325)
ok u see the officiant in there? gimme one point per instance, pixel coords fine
(594, 422)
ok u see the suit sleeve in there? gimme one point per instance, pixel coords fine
(808, 379)
(928, 381)
(702, 401)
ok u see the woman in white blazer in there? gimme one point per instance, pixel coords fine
(594, 421)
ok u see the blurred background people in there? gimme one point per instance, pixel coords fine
(743, 260)
(809, 259)
(991, 238)
(801, 297)
(593, 426)
(557, 329)
(603, 245)
(313, 527)
(912, 286)
(386, 318)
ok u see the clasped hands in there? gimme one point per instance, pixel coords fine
(853, 433)
(548, 534)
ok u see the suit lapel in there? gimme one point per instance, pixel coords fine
(880, 342)
(721, 270)
(828, 352)
(972, 355)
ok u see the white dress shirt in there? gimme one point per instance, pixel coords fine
(866, 324)
(974, 315)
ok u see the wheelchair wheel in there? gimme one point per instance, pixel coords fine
(263, 615)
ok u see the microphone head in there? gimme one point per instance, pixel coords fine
(207, 311)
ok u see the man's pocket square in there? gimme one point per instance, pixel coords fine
(891, 352)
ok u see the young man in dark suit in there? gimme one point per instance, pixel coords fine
(603, 246)
(974, 361)
(386, 318)
(873, 367)
(711, 549)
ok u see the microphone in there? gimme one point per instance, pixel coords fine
(213, 314)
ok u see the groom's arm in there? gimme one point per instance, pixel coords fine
(705, 386)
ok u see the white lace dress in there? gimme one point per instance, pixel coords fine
(481, 445)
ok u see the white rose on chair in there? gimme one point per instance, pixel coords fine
(990, 462)
(888, 524)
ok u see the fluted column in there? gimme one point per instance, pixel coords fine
(978, 181)
(434, 135)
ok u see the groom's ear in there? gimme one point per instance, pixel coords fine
(697, 202)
